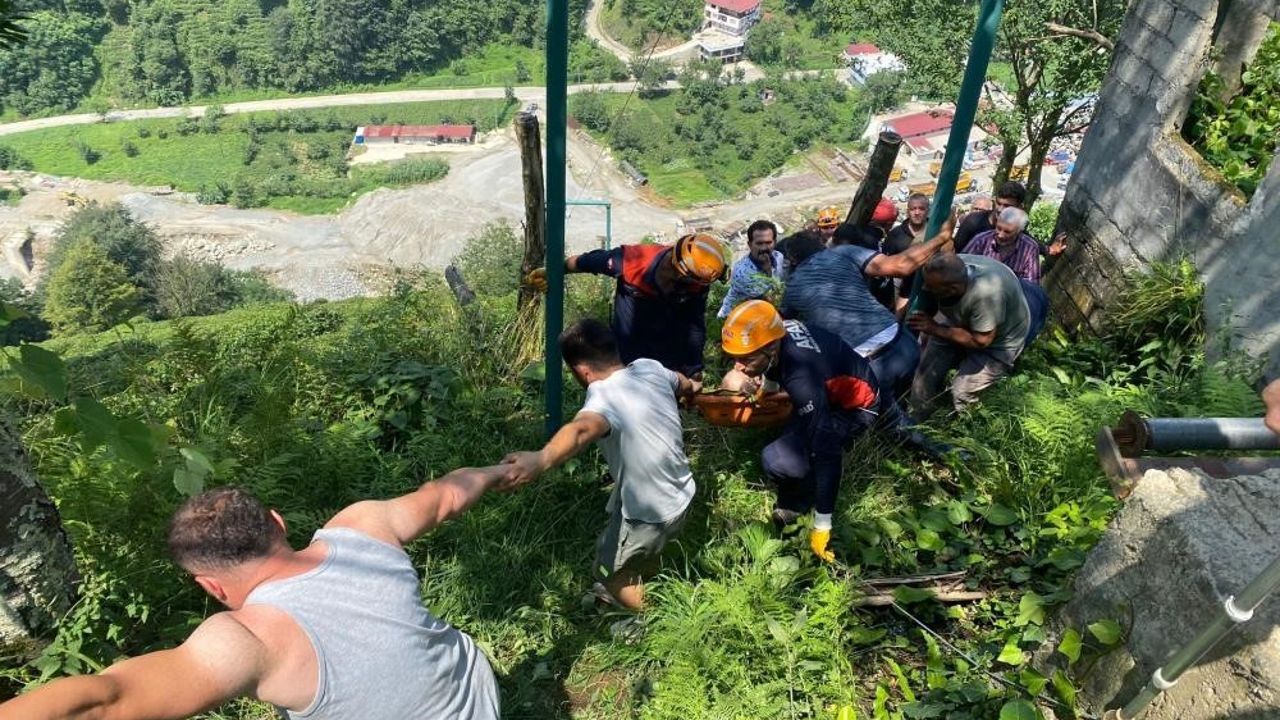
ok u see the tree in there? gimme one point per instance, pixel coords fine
(127, 242)
(764, 44)
(55, 67)
(650, 75)
(522, 72)
(36, 562)
(1052, 46)
(883, 90)
(12, 33)
(89, 292)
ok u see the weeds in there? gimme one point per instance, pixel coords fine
(313, 407)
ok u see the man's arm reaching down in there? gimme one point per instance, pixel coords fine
(573, 438)
(404, 519)
(221, 660)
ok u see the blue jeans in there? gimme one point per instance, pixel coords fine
(895, 364)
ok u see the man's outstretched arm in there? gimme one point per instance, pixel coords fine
(571, 439)
(402, 520)
(913, 258)
(221, 660)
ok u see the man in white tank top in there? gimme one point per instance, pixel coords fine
(335, 631)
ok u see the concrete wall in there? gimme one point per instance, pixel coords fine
(1141, 194)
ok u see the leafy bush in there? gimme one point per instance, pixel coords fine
(129, 148)
(314, 407)
(216, 194)
(1043, 219)
(19, 315)
(11, 160)
(87, 152)
(88, 291)
(490, 261)
(127, 242)
(1240, 135)
(188, 287)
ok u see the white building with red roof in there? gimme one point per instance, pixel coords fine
(734, 17)
(865, 60)
(414, 134)
(925, 133)
(725, 24)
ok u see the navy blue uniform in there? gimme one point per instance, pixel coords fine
(835, 398)
(649, 323)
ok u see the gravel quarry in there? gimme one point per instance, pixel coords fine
(335, 256)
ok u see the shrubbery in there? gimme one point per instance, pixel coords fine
(313, 407)
(88, 291)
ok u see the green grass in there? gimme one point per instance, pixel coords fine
(190, 162)
(812, 51)
(313, 407)
(678, 172)
(638, 34)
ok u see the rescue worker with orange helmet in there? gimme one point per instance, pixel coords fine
(660, 301)
(835, 398)
(828, 221)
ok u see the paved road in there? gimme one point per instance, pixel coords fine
(524, 94)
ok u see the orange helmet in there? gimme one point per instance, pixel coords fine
(749, 327)
(828, 217)
(700, 257)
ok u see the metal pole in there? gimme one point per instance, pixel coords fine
(608, 217)
(1233, 611)
(557, 122)
(975, 73)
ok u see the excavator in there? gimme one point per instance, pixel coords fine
(74, 199)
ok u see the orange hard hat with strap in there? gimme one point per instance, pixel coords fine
(751, 326)
(828, 217)
(700, 257)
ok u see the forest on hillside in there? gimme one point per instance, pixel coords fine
(166, 52)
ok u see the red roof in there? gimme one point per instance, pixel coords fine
(861, 49)
(921, 123)
(741, 7)
(422, 131)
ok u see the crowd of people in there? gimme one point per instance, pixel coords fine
(860, 325)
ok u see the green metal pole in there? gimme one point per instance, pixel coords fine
(975, 73)
(1233, 611)
(608, 217)
(557, 121)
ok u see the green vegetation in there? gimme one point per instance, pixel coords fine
(715, 136)
(1045, 75)
(105, 268)
(638, 24)
(793, 40)
(1240, 134)
(293, 161)
(104, 53)
(313, 407)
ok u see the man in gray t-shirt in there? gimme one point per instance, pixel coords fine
(632, 413)
(987, 320)
(333, 631)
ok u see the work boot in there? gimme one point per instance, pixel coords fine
(599, 599)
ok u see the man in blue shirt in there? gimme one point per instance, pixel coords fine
(759, 271)
(830, 289)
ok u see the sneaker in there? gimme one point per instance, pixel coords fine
(628, 630)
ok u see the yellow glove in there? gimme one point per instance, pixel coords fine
(537, 279)
(818, 541)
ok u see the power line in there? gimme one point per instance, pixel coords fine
(666, 24)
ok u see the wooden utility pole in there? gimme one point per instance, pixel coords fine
(876, 179)
(535, 216)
